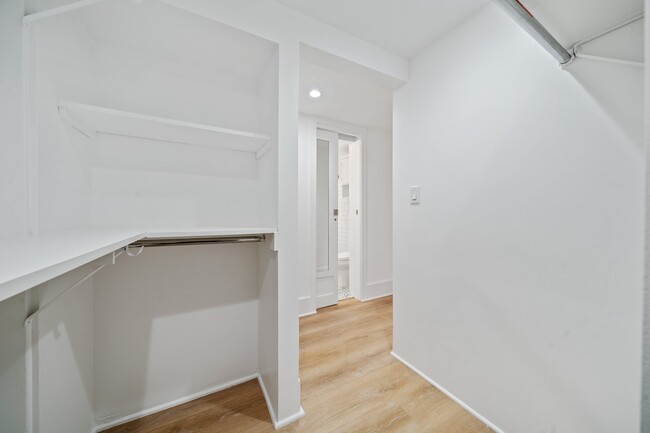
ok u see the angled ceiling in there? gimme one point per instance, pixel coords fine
(402, 27)
(575, 20)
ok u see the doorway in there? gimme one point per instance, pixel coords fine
(338, 220)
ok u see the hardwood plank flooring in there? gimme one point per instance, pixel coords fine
(350, 383)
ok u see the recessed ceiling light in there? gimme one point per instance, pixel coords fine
(314, 93)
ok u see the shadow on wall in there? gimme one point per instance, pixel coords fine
(615, 88)
(170, 323)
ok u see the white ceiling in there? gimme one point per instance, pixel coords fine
(345, 98)
(402, 27)
(574, 20)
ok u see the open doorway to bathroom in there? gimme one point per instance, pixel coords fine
(338, 214)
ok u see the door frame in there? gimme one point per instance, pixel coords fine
(308, 306)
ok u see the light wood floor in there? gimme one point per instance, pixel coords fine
(350, 383)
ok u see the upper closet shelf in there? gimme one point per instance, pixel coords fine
(89, 120)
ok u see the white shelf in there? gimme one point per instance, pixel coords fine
(90, 120)
(27, 261)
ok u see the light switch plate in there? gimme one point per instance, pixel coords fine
(415, 194)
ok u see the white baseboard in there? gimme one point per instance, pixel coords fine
(448, 394)
(267, 399)
(306, 306)
(288, 420)
(377, 290)
(283, 422)
(311, 313)
(179, 401)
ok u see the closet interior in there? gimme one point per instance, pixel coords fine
(154, 129)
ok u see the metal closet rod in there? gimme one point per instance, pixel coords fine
(534, 28)
(197, 240)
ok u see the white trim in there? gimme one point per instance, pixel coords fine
(179, 401)
(377, 297)
(267, 399)
(288, 420)
(285, 421)
(378, 290)
(310, 313)
(461, 403)
(306, 306)
(327, 300)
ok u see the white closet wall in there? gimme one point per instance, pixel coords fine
(120, 56)
(518, 278)
(171, 323)
(174, 322)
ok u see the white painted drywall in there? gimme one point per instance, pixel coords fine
(13, 186)
(173, 322)
(645, 401)
(379, 212)
(125, 181)
(288, 233)
(12, 365)
(61, 69)
(63, 366)
(518, 279)
(267, 277)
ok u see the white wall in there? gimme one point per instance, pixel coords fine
(63, 364)
(13, 217)
(645, 406)
(173, 322)
(379, 205)
(12, 365)
(267, 274)
(62, 72)
(125, 181)
(518, 278)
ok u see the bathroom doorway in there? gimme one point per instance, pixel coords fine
(348, 213)
(338, 216)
